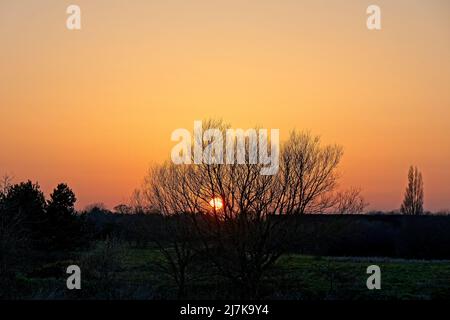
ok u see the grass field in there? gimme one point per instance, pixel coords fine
(305, 277)
(130, 273)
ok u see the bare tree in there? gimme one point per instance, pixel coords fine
(305, 183)
(123, 209)
(245, 236)
(350, 201)
(5, 183)
(176, 239)
(308, 174)
(413, 201)
(238, 237)
(139, 203)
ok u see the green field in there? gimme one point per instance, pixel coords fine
(130, 273)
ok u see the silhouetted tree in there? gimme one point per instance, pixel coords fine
(5, 184)
(96, 207)
(244, 238)
(26, 200)
(413, 201)
(137, 203)
(22, 219)
(62, 199)
(14, 242)
(350, 202)
(308, 174)
(64, 228)
(123, 209)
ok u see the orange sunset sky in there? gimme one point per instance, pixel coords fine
(95, 107)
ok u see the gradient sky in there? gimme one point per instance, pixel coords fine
(94, 108)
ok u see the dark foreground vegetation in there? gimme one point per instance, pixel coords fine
(117, 271)
(137, 255)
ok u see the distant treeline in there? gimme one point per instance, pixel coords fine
(399, 236)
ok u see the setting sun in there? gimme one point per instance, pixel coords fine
(216, 203)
